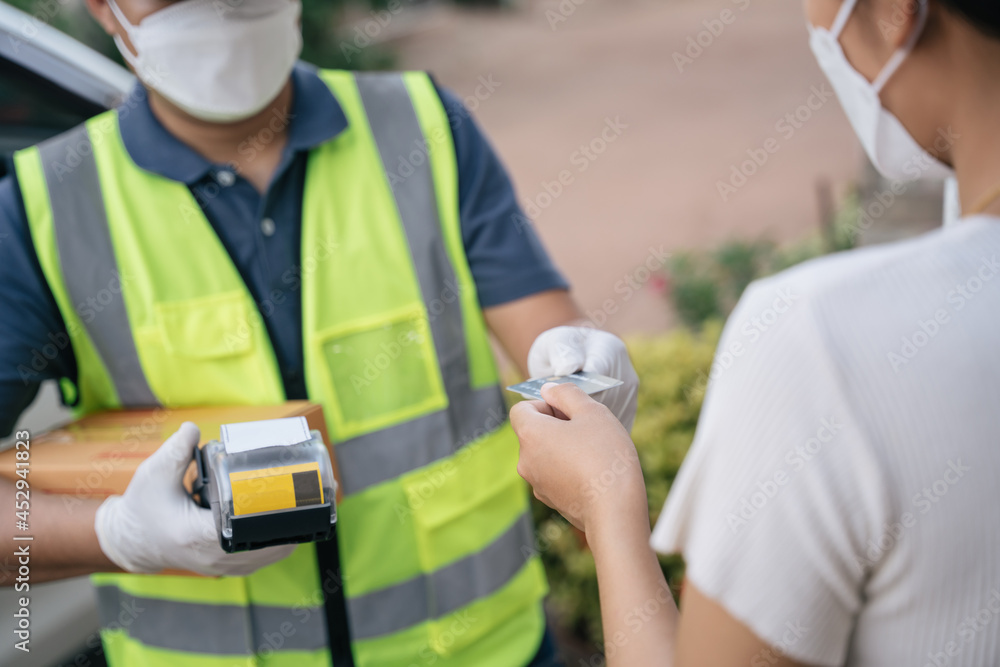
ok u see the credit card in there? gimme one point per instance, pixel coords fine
(591, 383)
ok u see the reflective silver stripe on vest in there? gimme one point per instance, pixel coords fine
(231, 629)
(385, 455)
(89, 269)
(382, 456)
(444, 591)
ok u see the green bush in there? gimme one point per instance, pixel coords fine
(707, 285)
(671, 369)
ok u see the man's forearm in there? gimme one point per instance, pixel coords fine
(64, 543)
(637, 607)
(517, 324)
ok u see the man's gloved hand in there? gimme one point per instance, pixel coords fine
(566, 350)
(156, 526)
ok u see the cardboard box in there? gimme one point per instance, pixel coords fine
(96, 456)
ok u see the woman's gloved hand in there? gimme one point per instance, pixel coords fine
(566, 350)
(155, 525)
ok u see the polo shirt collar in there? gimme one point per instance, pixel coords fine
(316, 118)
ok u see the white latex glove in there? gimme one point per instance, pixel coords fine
(566, 350)
(156, 526)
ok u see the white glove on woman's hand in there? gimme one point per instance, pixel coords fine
(566, 350)
(156, 525)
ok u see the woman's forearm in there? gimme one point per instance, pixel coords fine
(637, 607)
(562, 458)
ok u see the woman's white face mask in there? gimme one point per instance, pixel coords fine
(217, 61)
(893, 150)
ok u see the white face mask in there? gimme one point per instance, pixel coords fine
(952, 203)
(218, 61)
(893, 150)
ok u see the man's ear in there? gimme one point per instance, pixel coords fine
(101, 12)
(897, 20)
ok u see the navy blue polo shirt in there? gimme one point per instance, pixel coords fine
(262, 234)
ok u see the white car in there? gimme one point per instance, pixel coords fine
(50, 82)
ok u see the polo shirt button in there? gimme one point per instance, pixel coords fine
(225, 178)
(267, 227)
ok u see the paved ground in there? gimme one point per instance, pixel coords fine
(657, 183)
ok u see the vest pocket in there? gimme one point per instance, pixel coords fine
(380, 372)
(460, 504)
(207, 350)
(212, 327)
(474, 538)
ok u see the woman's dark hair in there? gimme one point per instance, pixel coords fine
(984, 14)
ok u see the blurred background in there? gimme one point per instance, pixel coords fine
(668, 152)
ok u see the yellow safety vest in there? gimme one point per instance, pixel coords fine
(435, 535)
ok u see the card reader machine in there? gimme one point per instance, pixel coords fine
(267, 483)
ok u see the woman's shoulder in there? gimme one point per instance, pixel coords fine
(882, 280)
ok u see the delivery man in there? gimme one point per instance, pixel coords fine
(245, 229)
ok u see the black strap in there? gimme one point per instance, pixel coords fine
(334, 602)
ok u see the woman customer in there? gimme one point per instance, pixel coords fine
(841, 502)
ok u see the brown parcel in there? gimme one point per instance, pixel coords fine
(96, 456)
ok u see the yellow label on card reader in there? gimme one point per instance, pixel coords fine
(280, 488)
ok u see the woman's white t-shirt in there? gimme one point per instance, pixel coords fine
(842, 496)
